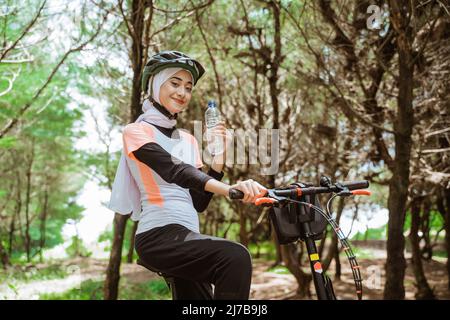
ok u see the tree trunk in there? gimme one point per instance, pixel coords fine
(337, 261)
(278, 251)
(131, 249)
(17, 210)
(427, 249)
(272, 78)
(334, 245)
(137, 57)
(398, 185)
(291, 260)
(273, 234)
(443, 204)
(424, 291)
(12, 228)
(323, 242)
(275, 65)
(43, 225)
(447, 234)
(111, 286)
(27, 205)
(4, 256)
(243, 234)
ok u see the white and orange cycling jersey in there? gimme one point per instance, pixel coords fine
(162, 202)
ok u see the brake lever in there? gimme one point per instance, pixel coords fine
(270, 199)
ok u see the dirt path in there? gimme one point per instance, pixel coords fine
(265, 285)
(79, 270)
(269, 285)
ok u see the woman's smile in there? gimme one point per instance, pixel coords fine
(178, 101)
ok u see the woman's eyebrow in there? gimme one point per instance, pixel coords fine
(181, 79)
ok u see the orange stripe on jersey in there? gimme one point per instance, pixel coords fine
(151, 187)
(135, 135)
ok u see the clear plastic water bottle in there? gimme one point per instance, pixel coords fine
(212, 118)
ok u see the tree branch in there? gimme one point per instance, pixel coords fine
(27, 28)
(24, 108)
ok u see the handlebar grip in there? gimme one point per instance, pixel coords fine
(361, 192)
(235, 194)
(353, 185)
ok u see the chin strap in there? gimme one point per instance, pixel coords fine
(163, 110)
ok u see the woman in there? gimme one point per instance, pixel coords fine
(160, 179)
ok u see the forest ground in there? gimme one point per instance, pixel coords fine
(267, 282)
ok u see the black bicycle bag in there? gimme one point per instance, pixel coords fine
(288, 220)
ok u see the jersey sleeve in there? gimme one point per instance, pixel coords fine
(135, 136)
(180, 173)
(201, 198)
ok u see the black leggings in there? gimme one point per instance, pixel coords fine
(196, 261)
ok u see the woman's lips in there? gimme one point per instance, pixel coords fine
(178, 101)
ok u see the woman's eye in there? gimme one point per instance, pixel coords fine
(177, 84)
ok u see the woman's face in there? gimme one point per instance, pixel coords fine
(176, 92)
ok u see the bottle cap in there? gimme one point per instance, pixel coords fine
(211, 104)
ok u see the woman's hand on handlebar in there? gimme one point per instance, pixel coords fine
(251, 189)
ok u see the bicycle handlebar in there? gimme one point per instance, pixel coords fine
(352, 186)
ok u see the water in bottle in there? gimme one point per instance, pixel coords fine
(212, 118)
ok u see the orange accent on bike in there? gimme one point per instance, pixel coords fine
(299, 192)
(318, 267)
(355, 267)
(361, 192)
(260, 201)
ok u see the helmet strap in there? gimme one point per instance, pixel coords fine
(163, 110)
(160, 107)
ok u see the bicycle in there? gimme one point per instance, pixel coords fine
(299, 221)
(296, 223)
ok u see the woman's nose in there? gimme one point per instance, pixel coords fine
(181, 91)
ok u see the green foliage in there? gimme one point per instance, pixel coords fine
(279, 270)
(436, 222)
(93, 290)
(7, 142)
(88, 290)
(25, 273)
(266, 249)
(372, 234)
(440, 253)
(107, 235)
(41, 148)
(360, 253)
(77, 248)
(150, 290)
